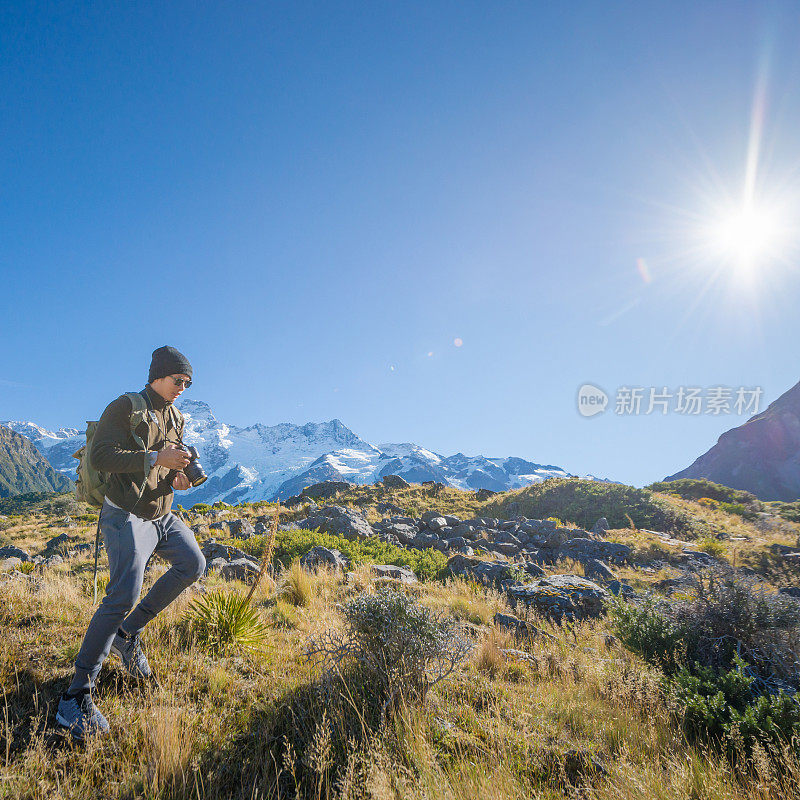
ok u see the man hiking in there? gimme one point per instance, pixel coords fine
(135, 521)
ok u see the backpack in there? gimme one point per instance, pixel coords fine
(91, 485)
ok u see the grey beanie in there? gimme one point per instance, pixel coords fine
(168, 361)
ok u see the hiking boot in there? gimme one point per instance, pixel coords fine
(129, 649)
(80, 716)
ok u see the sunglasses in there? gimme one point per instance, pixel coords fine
(181, 381)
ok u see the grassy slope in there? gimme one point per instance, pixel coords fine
(503, 727)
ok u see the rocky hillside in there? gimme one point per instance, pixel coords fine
(24, 469)
(264, 462)
(761, 456)
(558, 682)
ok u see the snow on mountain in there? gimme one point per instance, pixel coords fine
(264, 462)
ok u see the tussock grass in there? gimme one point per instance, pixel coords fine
(562, 717)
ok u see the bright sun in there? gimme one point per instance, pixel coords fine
(748, 236)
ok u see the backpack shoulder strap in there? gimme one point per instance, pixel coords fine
(138, 415)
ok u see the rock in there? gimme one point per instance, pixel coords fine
(580, 549)
(395, 482)
(467, 530)
(217, 526)
(326, 489)
(616, 588)
(518, 627)
(695, 558)
(506, 548)
(389, 508)
(437, 523)
(241, 528)
(595, 569)
(504, 537)
(86, 547)
(560, 597)
(10, 563)
(490, 573)
(451, 520)
(240, 569)
(326, 557)
(339, 521)
(10, 551)
(402, 574)
(216, 513)
(261, 528)
(212, 549)
(791, 591)
(215, 563)
(457, 543)
(580, 764)
(58, 543)
(422, 541)
(51, 561)
(601, 527)
(783, 549)
(484, 494)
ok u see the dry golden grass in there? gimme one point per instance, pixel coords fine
(565, 716)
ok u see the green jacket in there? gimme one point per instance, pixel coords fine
(115, 452)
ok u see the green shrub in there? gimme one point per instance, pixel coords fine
(647, 629)
(585, 501)
(398, 646)
(700, 488)
(201, 508)
(724, 708)
(713, 547)
(789, 511)
(739, 509)
(294, 544)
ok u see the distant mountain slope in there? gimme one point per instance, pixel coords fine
(24, 469)
(761, 456)
(264, 462)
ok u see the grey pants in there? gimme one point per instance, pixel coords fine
(130, 541)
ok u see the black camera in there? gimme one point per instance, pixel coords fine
(194, 469)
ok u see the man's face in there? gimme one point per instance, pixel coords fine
(171, 387)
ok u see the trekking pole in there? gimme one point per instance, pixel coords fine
(267, 554)
(96, 553)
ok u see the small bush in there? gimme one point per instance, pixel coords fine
(701, 489)
(222, 621)
(740, 510)
(648, 630)
(726, 709)
(398, 647)
(201, 508)
(713, 547)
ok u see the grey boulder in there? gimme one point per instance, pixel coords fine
(339, 521)
(560, 597)
(402, 574)
(324, 557)
(395, 482)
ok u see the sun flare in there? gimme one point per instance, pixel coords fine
(748, 236)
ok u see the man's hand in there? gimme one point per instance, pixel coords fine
(172, 458)
(181, 482)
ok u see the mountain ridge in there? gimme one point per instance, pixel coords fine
(762, 455)
(265, 462)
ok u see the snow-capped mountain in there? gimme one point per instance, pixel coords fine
(263, 462)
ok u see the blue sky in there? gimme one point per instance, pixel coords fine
(314, 201)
